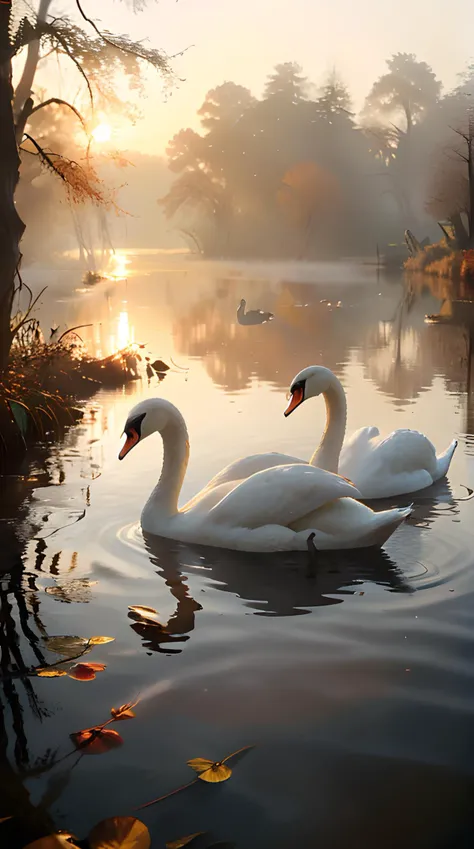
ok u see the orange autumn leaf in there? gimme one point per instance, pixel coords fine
(85, 671)
(96, 741)
(123, 712)
(81, 672)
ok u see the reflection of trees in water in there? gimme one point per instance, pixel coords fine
(275, 352)
(25, 555)
(403, 355)
(399, 352)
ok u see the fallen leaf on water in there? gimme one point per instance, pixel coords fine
(85, 671)
(99, 641)
(124, 711)
(184, 841)
(96, 741)
(53, 841)
(81, 672)
(210, 771)
(120, 833)
(214, 771)
(67, 646)
(50, 673)
(144, 614)
(5, 819)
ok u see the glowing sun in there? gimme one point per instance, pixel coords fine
(102, 133)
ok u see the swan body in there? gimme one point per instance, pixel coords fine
(252, 316)
(272, 510)
(405, 461)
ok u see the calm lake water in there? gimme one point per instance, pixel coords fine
(355, 686)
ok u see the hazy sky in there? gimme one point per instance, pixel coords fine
(241, 41)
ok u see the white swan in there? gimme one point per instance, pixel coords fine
(404, 461)
(274, 510)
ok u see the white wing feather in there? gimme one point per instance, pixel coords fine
(280, 496)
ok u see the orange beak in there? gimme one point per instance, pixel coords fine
(296, 399)
(132, 439)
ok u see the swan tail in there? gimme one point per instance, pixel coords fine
(386, 523)
(443, 461)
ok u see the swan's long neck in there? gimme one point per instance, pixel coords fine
(175, 462)
(327, 453)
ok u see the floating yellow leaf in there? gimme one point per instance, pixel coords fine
(144, 614)
(183, 841)
(51, 673)
(200, 764)
(211, 771)
(5, 819)
(216, 773)
(99, 641)
(53, 841)
(139, 608)
(123, 712)
(120, 833)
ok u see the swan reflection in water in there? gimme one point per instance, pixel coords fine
(271, 585)
(281, 583)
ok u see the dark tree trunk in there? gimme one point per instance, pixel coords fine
(23, 101)
(470, 166)
(11, 225)
(462, 238)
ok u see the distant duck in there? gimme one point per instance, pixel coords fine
(252, 316)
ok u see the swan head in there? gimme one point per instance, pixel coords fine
(146, 418)
(309, 383)
(242, 304)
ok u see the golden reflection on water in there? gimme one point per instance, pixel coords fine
(346, 316)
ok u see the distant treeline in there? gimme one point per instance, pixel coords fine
(296, 174)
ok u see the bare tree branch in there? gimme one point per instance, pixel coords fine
(60, 102)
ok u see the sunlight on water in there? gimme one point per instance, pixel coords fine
(125, 334)
(118, 266)
(346, 672)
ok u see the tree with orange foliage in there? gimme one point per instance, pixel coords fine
(308, 194)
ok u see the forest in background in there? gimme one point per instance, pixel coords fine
(293, 174)
(297, 174)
